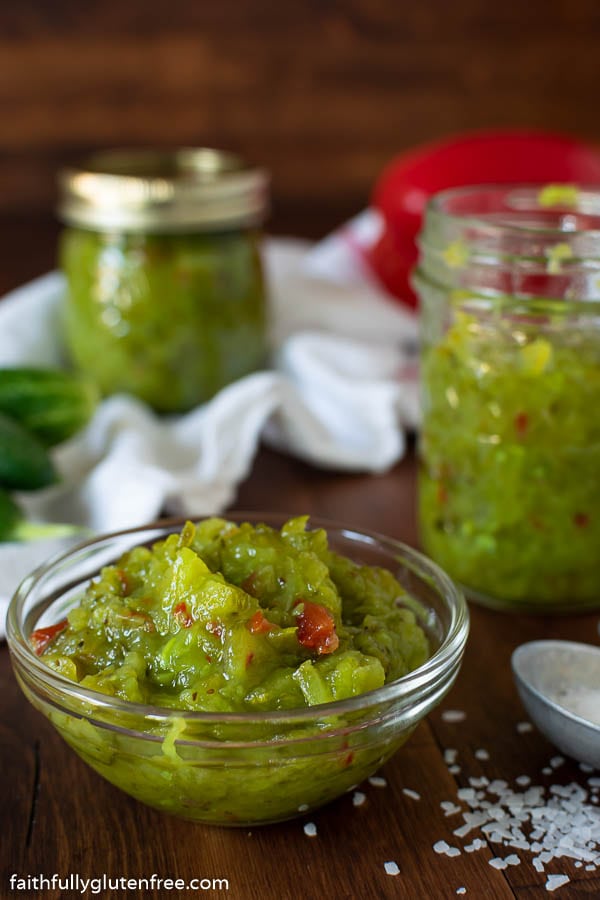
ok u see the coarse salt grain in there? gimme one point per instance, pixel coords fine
(453, 715)
(377, 781)
(454, 770)
(310, 829)
(412, 794)
(546, 770)
(446, 849)
(358, 798)
(450, 756)
(391, 868)
(303, 807)
(556, 761)
(556, 881)
(477, 844)
(461, 890)
(450, 809)
(524, 727)
(482, 754)
(479, 782)
(497, 863)
(523, 780)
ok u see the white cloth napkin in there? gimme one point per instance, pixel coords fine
(340, 392)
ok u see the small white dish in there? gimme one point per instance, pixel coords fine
(558, 682)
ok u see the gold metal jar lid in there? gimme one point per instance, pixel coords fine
(189, 189)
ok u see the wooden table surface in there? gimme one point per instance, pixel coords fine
(60, 817)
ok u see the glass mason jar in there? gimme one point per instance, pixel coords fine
(166, 297)
(509, 494)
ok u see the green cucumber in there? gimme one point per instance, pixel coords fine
(24, 462)
(51, 404)
(15, 527)
(10, 516)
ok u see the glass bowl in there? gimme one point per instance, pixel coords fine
(237, 768)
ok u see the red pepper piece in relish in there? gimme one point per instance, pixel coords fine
(215, 628)
(182, 615)
(249, 584)
(140, 618)
(41, 637)
(257, 624)
(316, 628)
(581, 520)
(521, 423)
(124, 581)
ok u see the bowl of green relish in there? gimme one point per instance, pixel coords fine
(165, 291)
(509, 497)
(237, 671)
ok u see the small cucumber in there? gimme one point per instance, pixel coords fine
(24, 463)
(10, 516)
(15, 527)
(51, 404)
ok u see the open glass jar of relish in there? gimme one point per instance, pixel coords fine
(166, 297)
(509, 284)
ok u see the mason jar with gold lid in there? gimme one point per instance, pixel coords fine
(166, 296)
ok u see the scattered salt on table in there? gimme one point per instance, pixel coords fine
(358, 798)
(497, 863)
(524, 727)
(310, 829)
(549, 822)
(412, 794)
(450, 809)
(446, 849)
(556, 881)
(377, 781)
(477, 844)
(479, 782)
(482, 754)
(453, 715)
(391, 868)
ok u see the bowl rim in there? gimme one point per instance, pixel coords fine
(428, 675)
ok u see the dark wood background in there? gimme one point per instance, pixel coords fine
(323, 92)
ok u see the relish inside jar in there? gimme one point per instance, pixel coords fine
(510, 446)
(166, 296)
